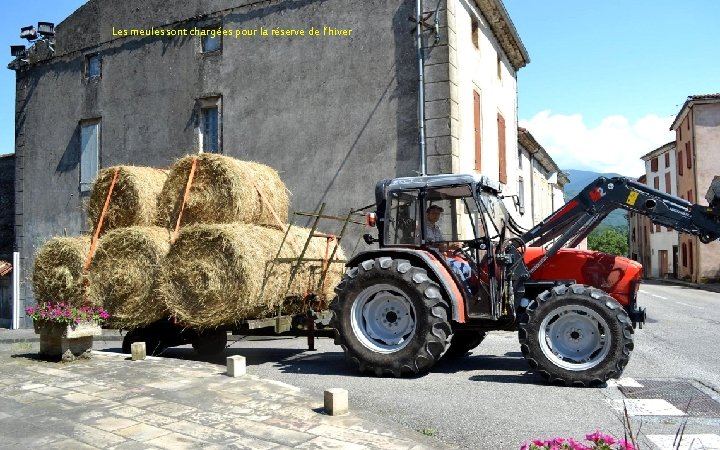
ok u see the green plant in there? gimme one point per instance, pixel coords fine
(428, 432)
(65, 314)
(610, 241)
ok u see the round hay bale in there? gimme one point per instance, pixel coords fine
(122, 275)
(220, 274)
(134, 198)
(223, 191)
(58, 273)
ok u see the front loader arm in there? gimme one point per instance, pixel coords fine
(573, 222)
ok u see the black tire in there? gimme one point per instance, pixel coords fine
(463, 341)
(382, 295)
(576, 335)
(210, 342)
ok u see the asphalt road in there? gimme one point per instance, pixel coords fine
(488, 399)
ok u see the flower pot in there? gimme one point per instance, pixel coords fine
(69, 342)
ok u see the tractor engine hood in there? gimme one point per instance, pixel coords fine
(616, 275)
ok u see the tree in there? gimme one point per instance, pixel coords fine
(610, 240)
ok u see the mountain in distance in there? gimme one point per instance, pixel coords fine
(581, 178)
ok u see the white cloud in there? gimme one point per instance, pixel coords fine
(615, 145)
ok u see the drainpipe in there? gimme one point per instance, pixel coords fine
(421, 87)
(532, 188)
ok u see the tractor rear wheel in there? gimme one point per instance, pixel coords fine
(390, 318)
(210, 342)
(576, 335)
(463, 341)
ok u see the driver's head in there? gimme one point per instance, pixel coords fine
(433, 213)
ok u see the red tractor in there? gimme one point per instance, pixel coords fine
(452, 264)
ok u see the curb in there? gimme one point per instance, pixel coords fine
(672, 282)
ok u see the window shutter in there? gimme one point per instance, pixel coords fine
(501, 149)
(478, 151)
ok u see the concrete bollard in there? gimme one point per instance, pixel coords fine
(138, 351)
(336, 401)
(236, 366)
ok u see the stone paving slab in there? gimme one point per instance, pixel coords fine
(112, 402)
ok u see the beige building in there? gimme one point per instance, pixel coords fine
(660, 256)
(640, 227)
(485, 53)
(697, 132)
(540, 183)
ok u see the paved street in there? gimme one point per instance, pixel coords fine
(484, 400)
(488, 400)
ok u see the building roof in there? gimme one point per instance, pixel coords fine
(504, 30)
(670, 146)
(528, 142)
(691, 101)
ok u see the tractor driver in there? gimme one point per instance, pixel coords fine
(434, 237)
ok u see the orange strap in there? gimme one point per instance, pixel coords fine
(269, 206)
(185, 197)
(93, 244)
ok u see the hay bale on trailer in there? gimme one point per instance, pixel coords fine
(223, 191)
(134, 197)
(58, 273)
(214, 274)
(122, 275)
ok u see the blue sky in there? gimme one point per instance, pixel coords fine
(605, 78)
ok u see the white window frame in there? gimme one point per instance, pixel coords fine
(90, 130)
(205, 105)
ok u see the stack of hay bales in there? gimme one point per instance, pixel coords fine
(220, 269)
(59, 271)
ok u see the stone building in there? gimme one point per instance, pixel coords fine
(145, 82)
(7, 239)
(662, 250)
(697, 132)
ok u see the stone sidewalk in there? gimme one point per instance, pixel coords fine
(110, 401)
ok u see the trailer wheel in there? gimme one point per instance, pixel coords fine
(390, 318)
(210, 342)
(576, 335)
(154, 345)
(463, 341)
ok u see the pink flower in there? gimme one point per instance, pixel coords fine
(626, 445)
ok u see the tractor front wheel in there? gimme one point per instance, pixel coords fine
(390, 318)
(576, 335)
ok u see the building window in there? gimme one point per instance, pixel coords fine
(668, 184)
(691, 261)
(688, 155)
(478, 134)
(679, 162)
(667, 160)
(211, 42)
(475, 32)
(680, 133)
(520, 158)
(654, 164)
(501, 149)
(521, 195)
(89, 153)
(684, 255)
(210, 126)
(656, 183)
(93, 66)
(690, 196)
(658, 228)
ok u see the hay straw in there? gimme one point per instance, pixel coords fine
(213, 274)
(223, 191)
(122, 274)
(134, 197)
(58, 270)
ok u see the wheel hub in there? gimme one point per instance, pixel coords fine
(574, 337)
(383, 318)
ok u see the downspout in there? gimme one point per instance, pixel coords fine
(421, 86)
(532, 187)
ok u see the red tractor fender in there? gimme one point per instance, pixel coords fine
(437, 268)
(616, 275)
